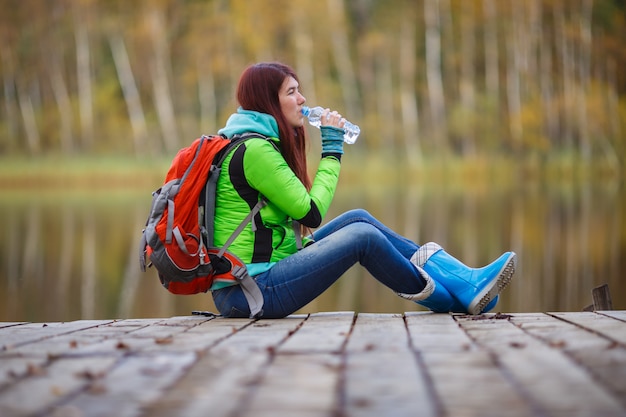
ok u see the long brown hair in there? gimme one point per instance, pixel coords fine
(258, 91)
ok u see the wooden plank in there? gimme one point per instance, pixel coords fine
(135, 381)
(158, 331)
(12, 337)
(11, 324)
(156, 357)
(224, 377)
(297, 385)
(552, 382)
(217, 385)
(117, 340)
(616, 314)
(602, 358)
(197, 338)
(382, 376)
(378, 332)
(302, 376)
(465, 379)
(437, 332)
(120, 339)
(118, 327)
(110, 338)
(321, 332)
(75, 343)
(14, 368)
(472, 384)
(264, 335)
(50, 384)
(87, 340)
(606, 326)
(189, 321)
(557, 364)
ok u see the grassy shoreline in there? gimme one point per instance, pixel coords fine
(82, 172)
(126, 172)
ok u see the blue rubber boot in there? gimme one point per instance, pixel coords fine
(474, 288)
(437, 299)
(441, 301)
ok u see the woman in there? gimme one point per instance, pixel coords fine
(274, 167)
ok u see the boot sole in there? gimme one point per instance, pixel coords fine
(504, 278)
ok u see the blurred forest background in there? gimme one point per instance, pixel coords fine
(486, 125)
(540, 80)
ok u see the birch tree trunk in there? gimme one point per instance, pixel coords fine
(367, 77)
(433, 73)
(160, 83)
(614, 129)
(546, 82)
(33, 140)
(62, 98)
(466, 80)
(206, 97)
(408, 98)
(304, 52)
(341, 53)
(449, 52)
(492, 74)
(10, 95)
(562, 48)
(83, 71)
(130, 92)
(513, 79)
(584, 69)
(384, 97)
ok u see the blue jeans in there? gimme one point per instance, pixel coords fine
(355, 236)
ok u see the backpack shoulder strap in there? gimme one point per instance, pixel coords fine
(258, 206)
(235, 141)
(211, 186)
(248, 219)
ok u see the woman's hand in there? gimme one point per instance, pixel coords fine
(332, 118)
(332, 133)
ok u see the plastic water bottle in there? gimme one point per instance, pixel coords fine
(314, 114)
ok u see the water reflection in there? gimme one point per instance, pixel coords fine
(74, 256)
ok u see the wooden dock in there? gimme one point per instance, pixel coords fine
(328, 364)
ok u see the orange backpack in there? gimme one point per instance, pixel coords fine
(178, 237)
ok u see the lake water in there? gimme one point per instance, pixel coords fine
(74, 255)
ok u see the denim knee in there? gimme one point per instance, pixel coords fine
(359, 213)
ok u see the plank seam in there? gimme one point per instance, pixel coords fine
(601, 313)
(342, 396)
(538, 410)
(587, 329)
(5, 348)
(438, 407)
(244, 406)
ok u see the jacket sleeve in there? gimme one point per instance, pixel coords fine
(267, 171)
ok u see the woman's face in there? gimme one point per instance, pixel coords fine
(291, 102)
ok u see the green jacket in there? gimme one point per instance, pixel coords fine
(256, 168)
